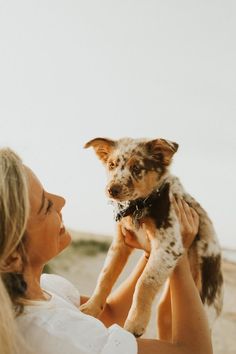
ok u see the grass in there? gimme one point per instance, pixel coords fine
(78, 247)
(90, 247)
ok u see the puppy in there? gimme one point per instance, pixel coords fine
(140, 185)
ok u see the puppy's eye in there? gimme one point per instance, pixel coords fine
(111, 165)
(136, 169)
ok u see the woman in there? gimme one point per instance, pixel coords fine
(32, 233)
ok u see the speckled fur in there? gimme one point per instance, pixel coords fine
(136, 168)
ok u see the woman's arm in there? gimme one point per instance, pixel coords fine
(120, 300)
(190, 329)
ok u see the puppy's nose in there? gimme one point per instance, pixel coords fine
(114, 190)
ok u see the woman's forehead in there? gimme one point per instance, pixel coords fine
(32, 178)
(35, 188)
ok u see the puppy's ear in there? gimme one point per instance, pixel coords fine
(102, 146)
(162, 150)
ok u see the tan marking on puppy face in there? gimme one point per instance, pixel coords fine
(132, 174)
(134, 166)
(134, 169)
(146, 184)
(102, 146)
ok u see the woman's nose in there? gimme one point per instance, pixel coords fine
(61, 202)
(58, 201)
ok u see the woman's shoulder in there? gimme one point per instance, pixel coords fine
(55, 284)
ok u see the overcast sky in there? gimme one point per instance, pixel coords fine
(73, 70)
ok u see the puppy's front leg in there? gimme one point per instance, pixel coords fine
(166, 248)
(114, 263)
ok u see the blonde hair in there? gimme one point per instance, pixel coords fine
(14, 211)
(14, 202)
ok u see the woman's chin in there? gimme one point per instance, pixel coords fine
(65, 240)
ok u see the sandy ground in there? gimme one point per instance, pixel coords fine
(83, 269)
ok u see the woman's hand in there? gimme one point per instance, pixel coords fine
(131, 240)
(188, 220)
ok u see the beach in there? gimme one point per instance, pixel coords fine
(82, 262)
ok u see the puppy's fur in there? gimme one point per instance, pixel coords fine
(140, 185)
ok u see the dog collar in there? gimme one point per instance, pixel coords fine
(137, 207)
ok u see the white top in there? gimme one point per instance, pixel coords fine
(57, 326)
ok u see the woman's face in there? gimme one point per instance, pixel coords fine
(46, 235)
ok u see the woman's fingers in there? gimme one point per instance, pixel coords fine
(183, 208)
(187, 211)
(188, 219)
(195, 217)
(176, 207)
(130, 239)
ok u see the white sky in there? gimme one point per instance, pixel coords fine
(73, 70)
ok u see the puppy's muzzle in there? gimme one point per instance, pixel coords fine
(114, 190)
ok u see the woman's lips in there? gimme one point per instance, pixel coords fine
(62, 231)
(62, 228)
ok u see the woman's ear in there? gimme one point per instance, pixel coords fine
(13, 263)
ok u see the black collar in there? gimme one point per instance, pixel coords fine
(136, 207)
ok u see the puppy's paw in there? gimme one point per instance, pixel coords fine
(134, 327)
(92, 308)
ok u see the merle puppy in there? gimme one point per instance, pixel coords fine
(140, 185)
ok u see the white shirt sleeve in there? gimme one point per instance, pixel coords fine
(120, 341)
(58, 327)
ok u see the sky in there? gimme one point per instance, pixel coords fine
(73, 70)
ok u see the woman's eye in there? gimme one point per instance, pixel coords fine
(49, 206)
